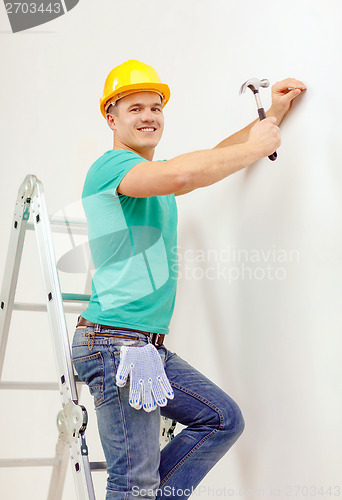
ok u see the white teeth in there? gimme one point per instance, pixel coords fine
(147, 129)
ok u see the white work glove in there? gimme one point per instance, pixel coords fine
(149, 385)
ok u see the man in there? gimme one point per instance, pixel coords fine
(129, 201)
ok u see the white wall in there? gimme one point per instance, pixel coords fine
(273, 344)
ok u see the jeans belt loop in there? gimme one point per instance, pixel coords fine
(155, 338)
(91, 336)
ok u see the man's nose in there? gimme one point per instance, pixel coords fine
(147, 115)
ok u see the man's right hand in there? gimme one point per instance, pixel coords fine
(264, 136)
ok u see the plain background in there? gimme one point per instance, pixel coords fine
(259, 298)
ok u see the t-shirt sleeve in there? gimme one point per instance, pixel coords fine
(112, 169)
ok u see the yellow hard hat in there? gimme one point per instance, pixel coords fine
(131, 76)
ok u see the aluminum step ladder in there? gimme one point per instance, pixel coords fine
(72, 418)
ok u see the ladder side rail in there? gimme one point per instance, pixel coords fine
(80, 461)
(60, 340)
(58, 475)
(59, 471)
(10, 278)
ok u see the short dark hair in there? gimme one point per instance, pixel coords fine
(111, 108)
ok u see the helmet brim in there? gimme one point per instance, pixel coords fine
(161, 88)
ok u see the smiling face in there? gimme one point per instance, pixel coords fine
(137, 121)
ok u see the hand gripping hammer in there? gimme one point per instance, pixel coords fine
(254, 84)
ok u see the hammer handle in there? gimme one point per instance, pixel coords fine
(262, 116)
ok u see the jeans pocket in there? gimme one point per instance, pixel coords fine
(116, 344)
(90, 370)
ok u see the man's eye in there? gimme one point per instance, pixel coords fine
(135, 109)
(156, 109)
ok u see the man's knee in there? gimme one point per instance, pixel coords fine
(233, 422)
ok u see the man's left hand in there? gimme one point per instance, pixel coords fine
(283, 93)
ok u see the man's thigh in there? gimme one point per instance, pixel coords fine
(195, 394)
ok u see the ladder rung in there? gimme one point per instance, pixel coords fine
(98, 466)
(63, 227)
(26, 306)
(76, 297)
(28, 462)
(71, 222)
(33, 386)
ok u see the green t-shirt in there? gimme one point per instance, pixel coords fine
(133, 243)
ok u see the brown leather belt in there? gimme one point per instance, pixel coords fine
(156, 338)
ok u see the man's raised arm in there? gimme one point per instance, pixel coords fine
(200, 168)
(190, 171)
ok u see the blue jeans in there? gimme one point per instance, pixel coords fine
(136, 467)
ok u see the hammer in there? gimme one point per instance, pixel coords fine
(254, 84)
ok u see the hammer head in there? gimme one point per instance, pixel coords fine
(254, 84)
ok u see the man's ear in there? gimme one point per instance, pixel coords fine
(111, 120)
